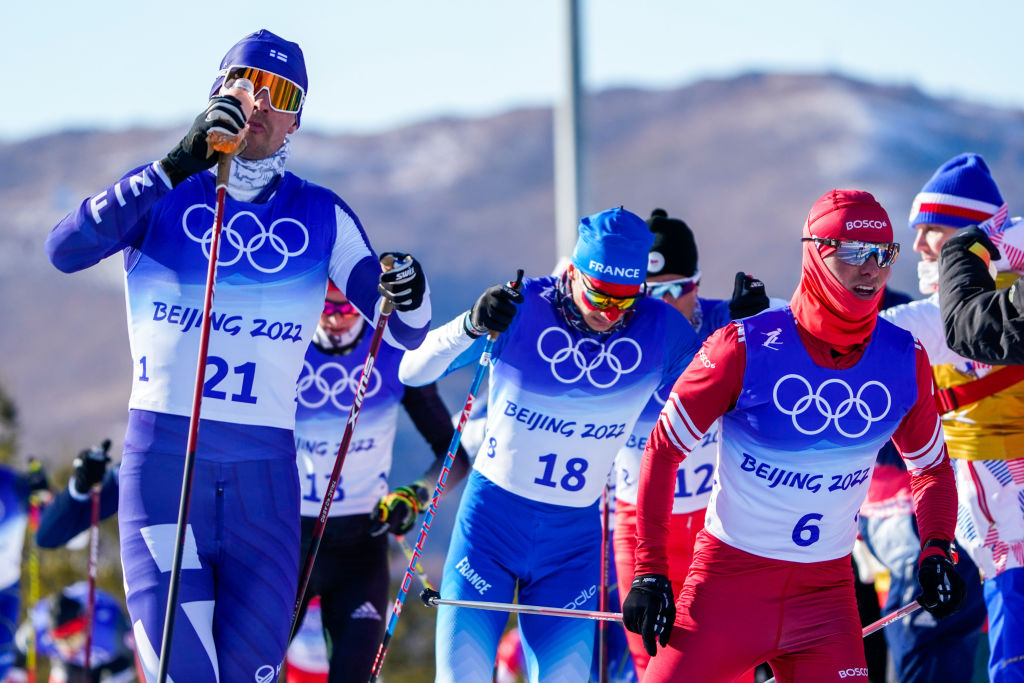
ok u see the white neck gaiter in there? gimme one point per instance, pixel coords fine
(249, 177)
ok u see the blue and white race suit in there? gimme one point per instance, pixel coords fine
(561, 403)
(240, 566)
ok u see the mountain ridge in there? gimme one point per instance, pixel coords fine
(740, 159)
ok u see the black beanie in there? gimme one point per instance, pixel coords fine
(64, 608)
(674, 251)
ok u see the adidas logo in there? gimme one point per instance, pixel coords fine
(365, 611)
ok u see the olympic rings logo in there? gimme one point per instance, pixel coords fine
(265, 242)
(816, 398)
(569, 362)
(332, 382)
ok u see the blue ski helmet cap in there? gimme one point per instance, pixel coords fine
(612, 247)
(269, 52)
(960, 193)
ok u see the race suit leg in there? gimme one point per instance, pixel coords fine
(1004, 596)
(258, 568)
(563, 570)
(351, 577)
(682, 535)
(801, 618)
(147, 518)
(483, 556)
(239, 569)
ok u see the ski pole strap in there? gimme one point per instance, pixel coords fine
(952, 398)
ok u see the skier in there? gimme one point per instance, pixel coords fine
(807, 394)
(58, 624)
(673, 276)
(351, 570)
(569, 376)
(70, 512)
(981, 432)
(982, 405)
(16, 491)
(282, 238)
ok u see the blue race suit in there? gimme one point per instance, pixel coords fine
(561, 403)
(240, 562)
(13, 520)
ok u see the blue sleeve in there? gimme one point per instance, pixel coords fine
(65, 517)
(682, 344)
(716, 315)
(355, 269)
(107, 222)
(471, 355)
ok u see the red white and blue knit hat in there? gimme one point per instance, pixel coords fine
(959, 194)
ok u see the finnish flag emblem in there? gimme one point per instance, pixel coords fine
(277, 54)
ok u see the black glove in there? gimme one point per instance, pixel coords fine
(650, 610)
(90, 466)
(942, 589)
(396, 512)
(748, 297)
(191, 155)
(404, 285)
(494, 310)
(966, 238)
(35, 477)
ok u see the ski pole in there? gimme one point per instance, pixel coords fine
(602, 599)
(94, 547)
(339, 460)
(421, 573)
(227, 146)
(33, 585)
(909, 608)
(895, 615)
(432, 598)
(474, 386)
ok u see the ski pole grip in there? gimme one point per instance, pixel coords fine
(225, 143)
(429, 597)
(387, 262)
(514, 287)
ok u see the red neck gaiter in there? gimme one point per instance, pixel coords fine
(821, 304)
(828, 310)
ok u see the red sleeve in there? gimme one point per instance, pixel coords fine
(706, 390)
(921, 442)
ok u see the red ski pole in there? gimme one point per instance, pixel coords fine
(94, 554)
(442, 479)
(339, 460)
(602, 599)
(31, 649)
(896, 615)
(227, 146)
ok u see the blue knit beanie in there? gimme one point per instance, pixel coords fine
(269, 52)
(959, 194)
(612, 247)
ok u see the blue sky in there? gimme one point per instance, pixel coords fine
(376, 64)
